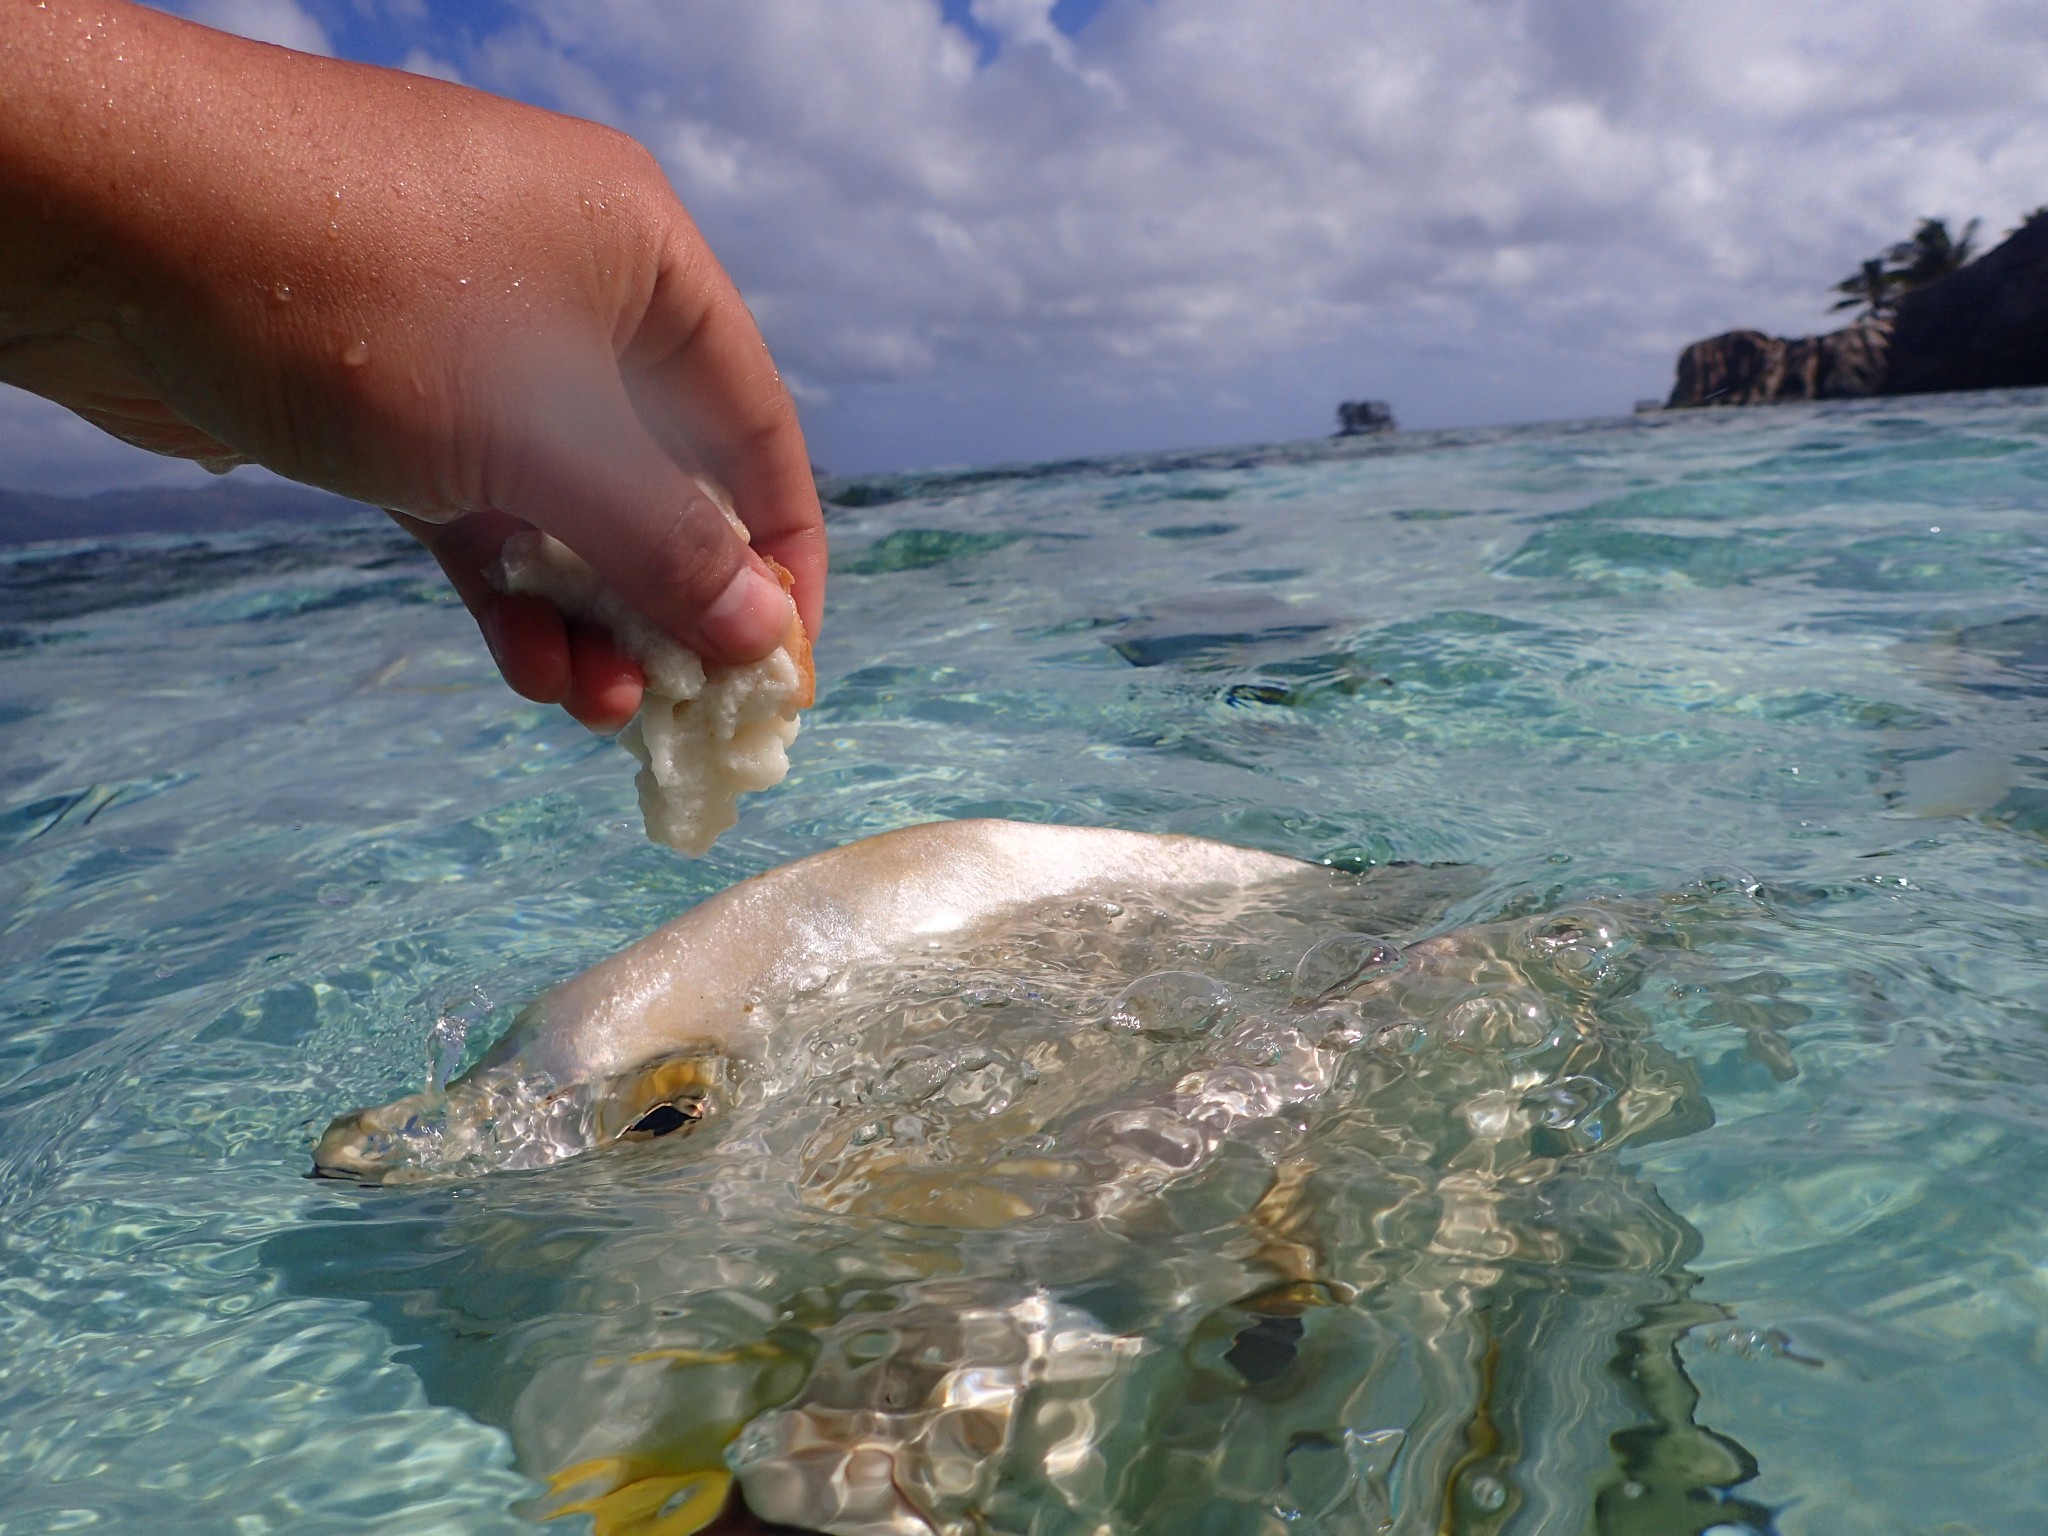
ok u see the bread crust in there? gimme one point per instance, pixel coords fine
(794, 639)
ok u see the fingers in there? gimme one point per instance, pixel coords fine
(604, 685)
(703, 381)
(530, 643)
(542, 657)
(463, 549)
(586, 470)
(570, 664)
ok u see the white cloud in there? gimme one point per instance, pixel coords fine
(282, 22)
(1202, 220)
(420, 62)
(1474, 208)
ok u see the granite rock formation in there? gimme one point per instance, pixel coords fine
(1984, 326)
(1750, 368)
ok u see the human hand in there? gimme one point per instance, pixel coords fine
(481, 315)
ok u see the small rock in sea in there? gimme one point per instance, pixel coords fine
(1355, 418)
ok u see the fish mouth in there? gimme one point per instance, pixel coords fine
(334, 1175)
(370, 1146)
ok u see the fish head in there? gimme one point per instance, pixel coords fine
(501, 1118)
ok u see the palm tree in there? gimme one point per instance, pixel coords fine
(1872, 289)
(1930, 255)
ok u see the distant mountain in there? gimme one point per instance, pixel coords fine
(29, 517)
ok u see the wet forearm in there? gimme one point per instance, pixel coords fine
(404, 290)
(173, 197)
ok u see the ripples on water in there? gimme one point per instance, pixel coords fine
(1648, 1140)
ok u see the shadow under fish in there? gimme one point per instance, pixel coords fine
(1135, 1185)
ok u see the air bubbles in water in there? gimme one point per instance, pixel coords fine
(915, 1078)
(1320, 1478)
(962, 1077)
(1340, 964)
(1581, 944)
(1496, 1021)
(446, 1042)
(1335, 1028)
(449, 1034)
(1575, 928)
(1372, 1454)
(1149, 1139)
(1729, 880)
(1487, 1492)
(1753, 1343)
(1170, 1005)
(1569, 1104)
(990, 992)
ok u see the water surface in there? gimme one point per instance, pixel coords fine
(1762, 692)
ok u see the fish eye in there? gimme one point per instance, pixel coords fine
(664, 1119)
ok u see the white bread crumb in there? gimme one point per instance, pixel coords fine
(703, 736)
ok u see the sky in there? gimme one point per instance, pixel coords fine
(988, 230)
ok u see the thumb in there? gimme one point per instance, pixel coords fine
(590, 474)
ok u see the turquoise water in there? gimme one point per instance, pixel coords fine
(1762, 692)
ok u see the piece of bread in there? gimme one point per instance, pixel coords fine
(704, 735)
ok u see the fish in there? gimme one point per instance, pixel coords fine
(628, 1047)
(990, 1177)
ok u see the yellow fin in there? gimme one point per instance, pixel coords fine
(669, 1505)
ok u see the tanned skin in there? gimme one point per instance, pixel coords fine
(478, 314)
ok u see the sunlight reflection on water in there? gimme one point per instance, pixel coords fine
(1719, 1023)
